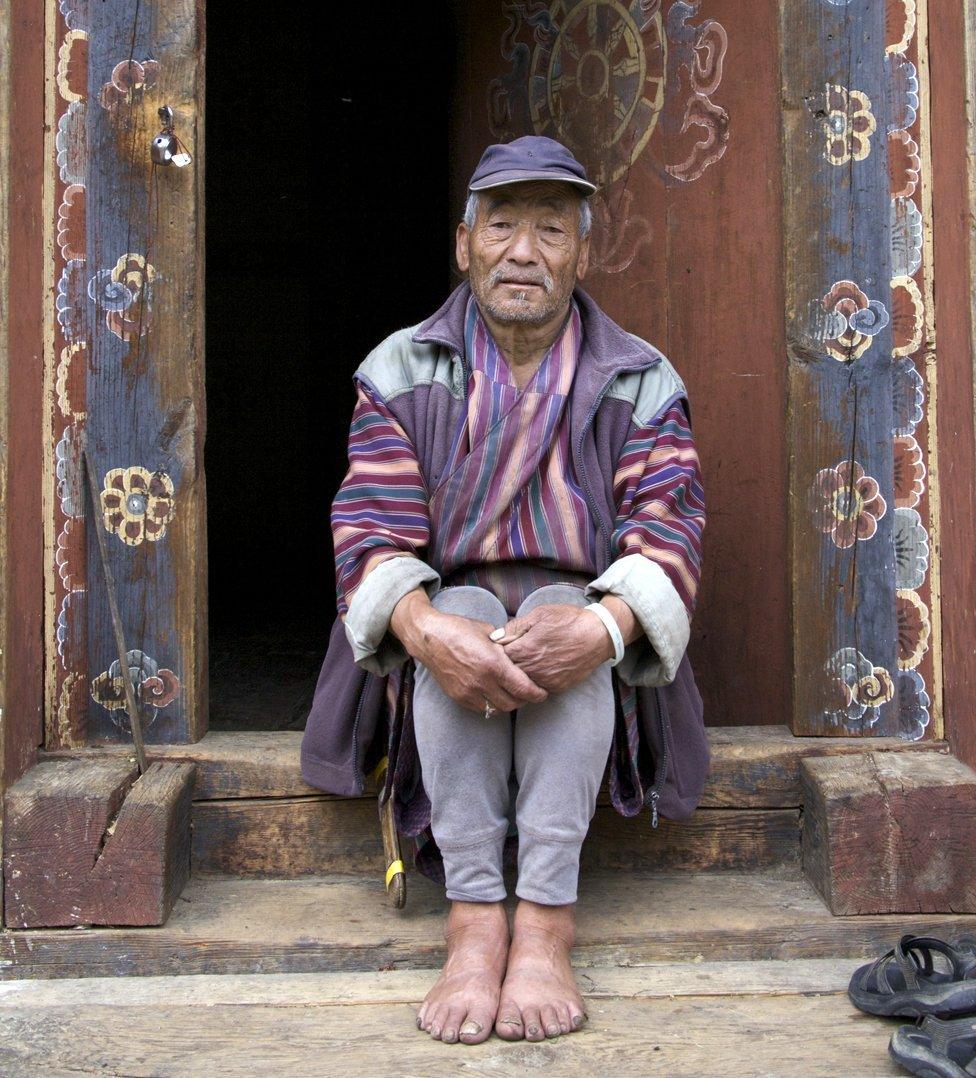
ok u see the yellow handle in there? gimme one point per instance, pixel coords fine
(396, 867)
(379, 769)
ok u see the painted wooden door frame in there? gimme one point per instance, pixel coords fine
(28, 234)
(125, 371)
(952, 38)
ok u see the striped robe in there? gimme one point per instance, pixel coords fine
(510, 500)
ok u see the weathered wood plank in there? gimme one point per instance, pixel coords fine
(651, 981)
(289, 837)
(889, 834)
(129, 372)
(92, 842)
(752, 766)
(22, 146)
(839, 415)
(226, 925)
(685, 1037)
(952, 46)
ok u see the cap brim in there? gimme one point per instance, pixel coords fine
(499, 179)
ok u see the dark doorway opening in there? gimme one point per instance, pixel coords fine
(328, 226)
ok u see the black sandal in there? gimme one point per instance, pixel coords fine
(936, 1049)
(905, 981)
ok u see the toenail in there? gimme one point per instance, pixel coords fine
(449, 1035)
(577, 1020)
(552, 1031)
(471, 1028)
(533, 1030)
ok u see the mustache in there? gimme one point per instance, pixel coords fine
(544, 279)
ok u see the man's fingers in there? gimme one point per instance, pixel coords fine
(517, 682)
(511, 630)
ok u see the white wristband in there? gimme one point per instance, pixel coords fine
(612, 628)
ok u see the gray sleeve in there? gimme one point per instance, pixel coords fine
(367, 622)
(653, 658)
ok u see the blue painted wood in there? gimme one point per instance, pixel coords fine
(837, 207)
(136, 296)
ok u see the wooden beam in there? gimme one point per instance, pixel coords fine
(751, 766)
(952, 46)
(227, 925)
(858, 351)
(884, 833)
(127, 369)
(95, 843)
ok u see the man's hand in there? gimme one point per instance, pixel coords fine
(467, 665)
(557, 644)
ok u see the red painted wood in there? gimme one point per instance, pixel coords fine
(705, 285)
(952, 222)
(23, 704)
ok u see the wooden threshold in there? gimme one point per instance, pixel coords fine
(228, 925)
(752, 766)
(743, 1018)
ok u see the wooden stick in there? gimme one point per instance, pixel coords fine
(396, 883)
(132, 707)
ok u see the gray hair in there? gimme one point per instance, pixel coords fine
(585, 214)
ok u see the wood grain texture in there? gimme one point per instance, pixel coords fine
(751, 766)
(129, 378)
(748, 1035)
(952, 39)
(290, 837)
(890, 834)
(21, 386)
(840, 385)
(92, 842)
(651, 981)
(226, 925)
(688, 258)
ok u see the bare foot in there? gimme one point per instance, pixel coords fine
(463, 1003)
(539, 997)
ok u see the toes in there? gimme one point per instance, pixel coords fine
(533, 1024)
(476, 1027)
(562, 1010)
(509, 1025)
(449, 1032)
(550, 1020)
(577, 1018)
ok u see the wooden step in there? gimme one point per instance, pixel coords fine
(229, 925)
(742, 1018)
(301, 836)
(752, 766)
(254, 816)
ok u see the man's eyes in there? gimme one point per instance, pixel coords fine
(552, 230)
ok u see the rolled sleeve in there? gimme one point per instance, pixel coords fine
(654, 657)
(367, 622)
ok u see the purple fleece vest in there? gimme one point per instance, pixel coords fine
(349, 701)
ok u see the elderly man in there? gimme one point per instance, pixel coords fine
(518, 544)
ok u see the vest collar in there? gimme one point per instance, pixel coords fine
(606, 348)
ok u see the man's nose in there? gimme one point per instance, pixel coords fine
(522, 248)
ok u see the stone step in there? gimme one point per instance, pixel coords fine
(224, 924)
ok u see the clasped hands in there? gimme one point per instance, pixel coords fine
(549, 649)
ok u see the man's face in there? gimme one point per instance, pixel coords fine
(524, 254)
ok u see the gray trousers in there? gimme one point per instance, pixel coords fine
(551, 756)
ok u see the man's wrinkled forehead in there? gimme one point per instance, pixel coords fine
(550, 196)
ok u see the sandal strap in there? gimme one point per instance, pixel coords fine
(909, 947)
(942, 1032)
